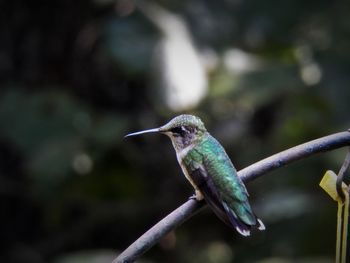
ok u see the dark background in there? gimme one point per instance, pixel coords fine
(76, 76)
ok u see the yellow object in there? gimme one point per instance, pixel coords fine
(328, 183)
(345, 227)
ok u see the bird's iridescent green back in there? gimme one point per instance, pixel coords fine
(210, 154)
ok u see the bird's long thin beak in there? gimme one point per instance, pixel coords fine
(142, 132)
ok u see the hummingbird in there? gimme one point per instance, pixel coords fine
(208, 168)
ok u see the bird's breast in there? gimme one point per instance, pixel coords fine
(181, 155)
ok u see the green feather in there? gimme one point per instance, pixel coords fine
(209, 154)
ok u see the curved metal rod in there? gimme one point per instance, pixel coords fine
(341, 175)
(189, 208)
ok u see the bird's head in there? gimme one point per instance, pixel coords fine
(183, 130)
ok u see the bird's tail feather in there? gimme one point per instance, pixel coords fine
(236, 223)
(239, 225)
(260, 224)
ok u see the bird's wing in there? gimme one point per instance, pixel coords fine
(219, 207)
(212, 172)
(224, 176)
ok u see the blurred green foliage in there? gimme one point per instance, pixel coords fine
(76, 76)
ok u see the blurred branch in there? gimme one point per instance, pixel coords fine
(188, 209)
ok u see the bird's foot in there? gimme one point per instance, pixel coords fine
(198, 196)
(192, 197)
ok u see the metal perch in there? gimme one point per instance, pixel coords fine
(189, 208)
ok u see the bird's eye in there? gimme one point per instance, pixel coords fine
(179, 130)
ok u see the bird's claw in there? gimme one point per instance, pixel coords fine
(193, 197)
